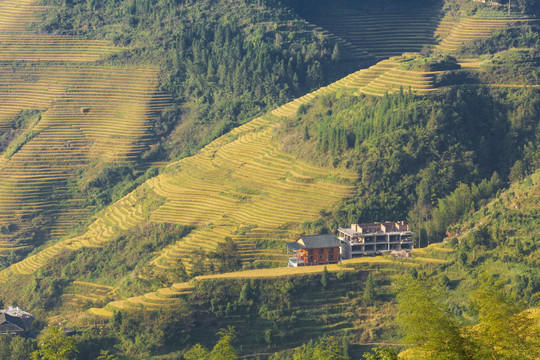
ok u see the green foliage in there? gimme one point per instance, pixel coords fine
(227, 256)
(105, 355)
(504, 330)
(140, 334)
(369, 294)
(54, 345)
(197, 352)
(15, 348)
(434, 63)
(432, 331)
(427, 326)
(454, 207)
(327, 348)
(324, 278)
(381, 354)
(127, 253)
(412, 151)
(19, 142)
(515, 66)
(223, 350)
(44, 291)
(99, 182)
(12, 140)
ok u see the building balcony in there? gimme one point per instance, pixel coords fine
(295, 262)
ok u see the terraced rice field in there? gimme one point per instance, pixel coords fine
(80, 293)
(166, 297)
(379, 79)
(88, 112)
(19, 43)
(245, 182)
(15, 15)
(241, 180)
(468, 29)
(381, 31)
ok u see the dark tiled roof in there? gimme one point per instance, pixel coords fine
(11, 323)
(295, 245)
(319, 241)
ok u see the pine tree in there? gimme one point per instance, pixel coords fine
(369, 291)
(324, 278)
(336, 53)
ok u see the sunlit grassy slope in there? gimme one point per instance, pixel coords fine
(241, 185)
(86, 112)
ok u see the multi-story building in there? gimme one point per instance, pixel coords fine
(375, 238)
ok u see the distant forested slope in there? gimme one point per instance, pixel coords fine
(226, 61)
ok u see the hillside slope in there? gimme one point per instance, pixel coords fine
(57, 116)
(241, 180)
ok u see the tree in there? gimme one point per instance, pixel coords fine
(54, 345)
(414, 272)
(336, 53)
(324, 278)
(381, 354)
(223, 350)
(517, 172)
(245, 294)
(428, 326)
(21, 348)
(505, 331)
(227, 256)
(104, 355)
(369, 291)
(197, 352)
(328, 348)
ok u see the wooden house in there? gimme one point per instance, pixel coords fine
(15, 321)
(11, 325)
(314, 250)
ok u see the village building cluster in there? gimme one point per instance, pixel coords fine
(355, 241)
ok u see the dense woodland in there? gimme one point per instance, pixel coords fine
(412, 151)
